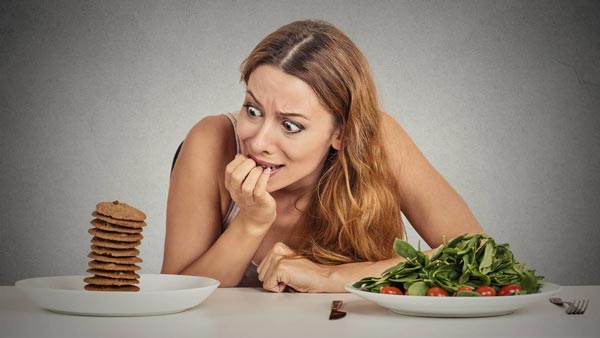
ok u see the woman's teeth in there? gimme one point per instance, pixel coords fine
(270, 167)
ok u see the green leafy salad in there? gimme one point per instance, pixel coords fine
(468, 265)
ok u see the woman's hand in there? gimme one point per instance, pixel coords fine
(247, 184)
(282, 267)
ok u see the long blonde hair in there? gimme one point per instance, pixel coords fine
(354, 212)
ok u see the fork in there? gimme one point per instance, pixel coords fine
(577, 307)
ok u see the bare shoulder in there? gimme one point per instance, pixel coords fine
(397, 142)
(406, 160)
(208, 147)
(212, 135)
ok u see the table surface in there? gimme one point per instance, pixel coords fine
(248, 312)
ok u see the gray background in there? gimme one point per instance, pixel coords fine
(501, 96)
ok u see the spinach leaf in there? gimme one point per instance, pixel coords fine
(403, 249)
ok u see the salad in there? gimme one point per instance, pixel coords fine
(470, 265)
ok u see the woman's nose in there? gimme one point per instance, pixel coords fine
(263, 140)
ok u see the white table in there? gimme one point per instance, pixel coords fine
(246, 312)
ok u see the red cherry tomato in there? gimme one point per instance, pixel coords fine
(463, 288)
(509, 290)
(486, 291)
(390, 290)
(436, 291)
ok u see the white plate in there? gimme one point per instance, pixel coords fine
(456, 306)
(159, 294)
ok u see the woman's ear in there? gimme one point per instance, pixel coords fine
(336, 138)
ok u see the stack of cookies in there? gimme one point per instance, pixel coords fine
(117, 232)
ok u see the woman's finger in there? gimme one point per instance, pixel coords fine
(239, 175)
(273, 276)
(261, 184)
(230, 168)
(270, 262)
(249, 184)
(276, 283)
(265, 265)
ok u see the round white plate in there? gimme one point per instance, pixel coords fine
(159, 294)
(456, 306)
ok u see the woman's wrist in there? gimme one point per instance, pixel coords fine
(341, 275)
(336, 277)
(252, 226)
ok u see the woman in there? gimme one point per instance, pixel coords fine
(304, 187)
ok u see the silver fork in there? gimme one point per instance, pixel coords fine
(577, 307)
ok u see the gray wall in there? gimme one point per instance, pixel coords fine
(502, 97)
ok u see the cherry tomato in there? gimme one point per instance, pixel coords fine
(486, 291)
(463, 288)
(509, 290)
(436, 291)
(390, 290)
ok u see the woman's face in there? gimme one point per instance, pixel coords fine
(284, 126)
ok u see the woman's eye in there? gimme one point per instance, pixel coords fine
(291, 127)
(252, 112)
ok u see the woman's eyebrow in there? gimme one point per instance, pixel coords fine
(293, 115)
(255, 99)
(283, 114)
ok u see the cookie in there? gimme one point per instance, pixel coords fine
(120, 210)
(115, 252)
(129, 224)
(114, 274)
(114, 244)
(111, 259)
(114, 236)
(112, 266)
(99, 280)
(94, 287)
(104, 225)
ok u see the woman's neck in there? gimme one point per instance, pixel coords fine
(290, 202)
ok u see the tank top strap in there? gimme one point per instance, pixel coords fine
(233, 208)
(233, 120)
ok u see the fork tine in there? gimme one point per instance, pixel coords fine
(578, 307)
(572, 308)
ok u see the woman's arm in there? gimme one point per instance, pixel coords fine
(194, 244)
(282, 267)
(430, 204)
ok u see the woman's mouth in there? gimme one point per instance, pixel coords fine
(267, 165)
(274, 168)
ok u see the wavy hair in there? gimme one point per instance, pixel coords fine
(354, 211)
